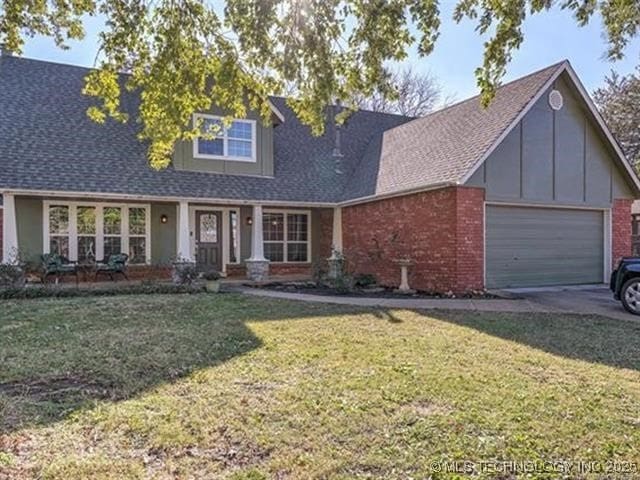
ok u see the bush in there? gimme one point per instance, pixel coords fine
(11, 276)
(364, 280)
(184, 272)
(64, 292)
(343, 284)
(211, 276)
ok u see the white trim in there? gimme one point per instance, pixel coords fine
(286, 241)
(568, 206)
(225, 140)
(336, 232)
(399, 193)
(606, 221)
(99, 235)
(183, 247)
(257, 237)
(9, 230)
(98, 196)
(608, 244)
(225, 231)
(276, 111)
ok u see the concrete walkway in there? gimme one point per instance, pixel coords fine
(487, 305)
(592, 300)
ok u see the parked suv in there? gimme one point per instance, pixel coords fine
(625, 284)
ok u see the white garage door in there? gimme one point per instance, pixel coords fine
(531, 246)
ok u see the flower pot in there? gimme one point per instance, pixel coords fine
(212, 286)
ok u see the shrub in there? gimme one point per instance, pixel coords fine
(343, 284)
(183, 272)
(364, 280)
(12, 276)
(211, 276)
(64, 292)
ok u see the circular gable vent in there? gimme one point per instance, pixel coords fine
(555, 100)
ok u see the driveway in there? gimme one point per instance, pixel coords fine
(595, 299)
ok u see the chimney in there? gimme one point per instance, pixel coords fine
(337, 146)
(4, 51)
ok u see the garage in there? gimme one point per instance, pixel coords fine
(537, 246)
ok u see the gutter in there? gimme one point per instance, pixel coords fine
(224, 201)
(154, 198)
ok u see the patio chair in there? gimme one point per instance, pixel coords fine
(115, 264)
(58, 266)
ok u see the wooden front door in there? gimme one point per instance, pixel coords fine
(208, 240)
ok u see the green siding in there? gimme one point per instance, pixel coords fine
(183, 158)
(554, 157)
(29, 220)
(163, 235)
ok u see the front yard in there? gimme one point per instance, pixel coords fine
(207, 386)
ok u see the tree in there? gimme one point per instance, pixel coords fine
(619, 103)
(416, 95)
(182, 55)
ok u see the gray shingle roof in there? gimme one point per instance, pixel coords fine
(443, 146)
(48, 143)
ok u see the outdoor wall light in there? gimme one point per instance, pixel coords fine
(249, 221)
(164, 218)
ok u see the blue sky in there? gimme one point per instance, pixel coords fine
(549, 38)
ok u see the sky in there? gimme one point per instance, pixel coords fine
(549, 37)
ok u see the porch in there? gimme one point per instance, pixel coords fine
(283, 240)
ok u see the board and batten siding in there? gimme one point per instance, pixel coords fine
(553, 157)
(183, 158)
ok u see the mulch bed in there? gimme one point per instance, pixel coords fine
(367, 292)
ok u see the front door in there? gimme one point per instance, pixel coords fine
(208, 241)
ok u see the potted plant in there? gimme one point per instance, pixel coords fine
(212, 281)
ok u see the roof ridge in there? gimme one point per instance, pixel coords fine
(515, 80)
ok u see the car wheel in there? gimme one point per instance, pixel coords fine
(630, 296)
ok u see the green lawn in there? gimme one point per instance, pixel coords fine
(226, 386)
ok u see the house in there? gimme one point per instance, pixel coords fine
(531, 191)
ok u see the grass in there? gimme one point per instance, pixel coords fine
(226, 386)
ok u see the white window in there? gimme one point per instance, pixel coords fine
(89, 231)
(58, 230)
(235, 142)
(287, 236)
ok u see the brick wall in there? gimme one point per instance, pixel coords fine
(324, 237)
(440, 230)
(1, 232)
(621, 229)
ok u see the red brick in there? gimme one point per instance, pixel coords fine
(442, 231)
(620, 229)
(1, 231)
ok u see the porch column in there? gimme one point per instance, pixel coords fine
(336, 242)
(9, 230)
(183, 234)
(336, 259)
(257, 265)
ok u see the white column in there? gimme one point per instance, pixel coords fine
(257, 236)
(9, 230)
(336, 242)
(184, 239)
(226, 236)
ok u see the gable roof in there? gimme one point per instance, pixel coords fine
(47, 143)
(447, 146)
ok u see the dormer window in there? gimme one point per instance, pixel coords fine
(237, 142)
